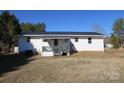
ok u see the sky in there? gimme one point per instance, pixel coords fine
(71, 20)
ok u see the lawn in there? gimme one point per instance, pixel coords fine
(88, 67)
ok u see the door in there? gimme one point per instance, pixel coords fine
(55, 42)
(56, 47)
(65, 45)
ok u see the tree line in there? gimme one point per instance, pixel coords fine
(10, 28)
(33, 27)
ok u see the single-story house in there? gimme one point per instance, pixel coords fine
(60, 43)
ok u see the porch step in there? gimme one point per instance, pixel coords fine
(57, 54)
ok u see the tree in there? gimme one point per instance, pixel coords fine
(115, 41)
(9, 28)
(1, 29)
(33, 27)
(40, 27)
(118, 25)
(118, 28)
(26, 27)
(98, 28)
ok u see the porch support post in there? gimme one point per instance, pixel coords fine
(68, 54)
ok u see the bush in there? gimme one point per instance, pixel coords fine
(29, 52)
(0, 49)
(115, 41)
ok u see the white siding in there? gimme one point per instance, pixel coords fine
(35, 44)
(82, 44)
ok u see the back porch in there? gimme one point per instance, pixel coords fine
(55, 47)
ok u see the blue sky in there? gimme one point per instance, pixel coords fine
(70, 20)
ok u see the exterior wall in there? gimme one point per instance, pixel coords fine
(62, 46)
(35, 44)
(82, 44)
(49, 44)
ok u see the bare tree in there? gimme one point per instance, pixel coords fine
(98, 28)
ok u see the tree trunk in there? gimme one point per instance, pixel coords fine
(10, 44)
(123, 44)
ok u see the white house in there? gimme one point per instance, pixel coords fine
(60, 43)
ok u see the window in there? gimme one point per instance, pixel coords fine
(44, 40)
(89, 40)
(28, 39)
(55, 42)
(76, 39)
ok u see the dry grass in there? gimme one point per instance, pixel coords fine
(89, 67)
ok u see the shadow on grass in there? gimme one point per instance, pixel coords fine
(12, 62)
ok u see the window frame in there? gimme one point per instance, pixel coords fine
(89, 40)
(55, 42)
(44, 40)
(28, 39)
(76, 39)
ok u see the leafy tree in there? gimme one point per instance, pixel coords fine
(33, 27)
(118, 28)
(1, 29)
(115, 41)
(9, 28)
(25, 27)
(40, 27)
(118, 25)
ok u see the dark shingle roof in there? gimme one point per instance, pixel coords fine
(59, 33)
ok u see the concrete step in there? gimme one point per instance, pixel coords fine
(57, 53)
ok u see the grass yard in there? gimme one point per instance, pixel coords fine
(88, 67)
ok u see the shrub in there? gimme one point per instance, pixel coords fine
(29, 52)
(115, 41)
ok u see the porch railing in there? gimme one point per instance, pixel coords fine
(55, 49)
(47, 49)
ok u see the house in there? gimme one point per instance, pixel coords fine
(60, 43)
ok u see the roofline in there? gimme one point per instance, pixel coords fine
(58, 35)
